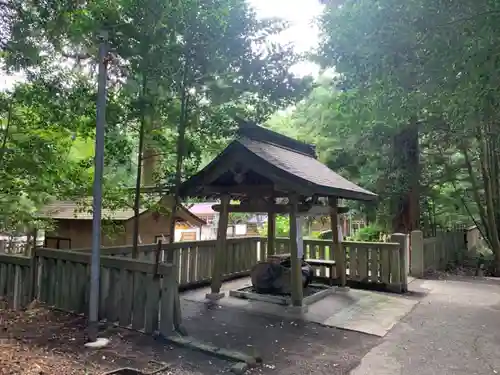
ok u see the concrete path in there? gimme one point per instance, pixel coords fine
(454, 330)
(363, 311)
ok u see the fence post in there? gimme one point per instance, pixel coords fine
(402, 283)
(417, 267)
(16, 304)
(262, 250)
(33, 279)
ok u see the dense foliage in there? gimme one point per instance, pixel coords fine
(178, 73)
(412, 112)
(406, 107)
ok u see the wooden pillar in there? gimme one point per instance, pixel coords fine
(271, 233)
(220, 252)
(338, 249)
(296, 271)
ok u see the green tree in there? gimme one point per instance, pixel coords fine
(428, 66)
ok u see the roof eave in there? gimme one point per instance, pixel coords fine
(328, 191)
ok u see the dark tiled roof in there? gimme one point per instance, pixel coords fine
(304, 167)
(270, 154)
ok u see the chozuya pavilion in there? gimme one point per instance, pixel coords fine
(274, 174)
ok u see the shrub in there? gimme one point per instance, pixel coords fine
(370, 233)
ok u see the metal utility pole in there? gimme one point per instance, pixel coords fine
(97, 188)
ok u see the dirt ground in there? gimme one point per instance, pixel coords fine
(44, 342)
(287, 347)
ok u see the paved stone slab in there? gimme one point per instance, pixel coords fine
(374, 313)
(364, 311)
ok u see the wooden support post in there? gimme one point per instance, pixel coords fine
(337, 248)
(271, 233)
(296, 271)
(220, 251)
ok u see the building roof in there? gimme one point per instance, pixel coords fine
(278, 159)
(77, 210)
(204, 208)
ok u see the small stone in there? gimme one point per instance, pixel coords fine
(239, 368)
(99, 343)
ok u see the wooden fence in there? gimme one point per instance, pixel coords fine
(377, 262)
(194, 259)
(435, 253)
(15, 280)
(366, 262)
(133, 293)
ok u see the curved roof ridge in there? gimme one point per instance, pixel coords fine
(258, 133)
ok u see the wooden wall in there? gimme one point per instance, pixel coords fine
(118, 234)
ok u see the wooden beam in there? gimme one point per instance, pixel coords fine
(338, 250)
(261, 207)
(221, 246)
(252, 190)
(296, 271)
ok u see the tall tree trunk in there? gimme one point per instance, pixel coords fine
(489, 166)
(150, 157)
(183, 119)
(405, 204)
(5, 135)
(137, 192)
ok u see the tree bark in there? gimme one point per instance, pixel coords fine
(489, 164)
(137, 192)
(183, 119)
(406, 205)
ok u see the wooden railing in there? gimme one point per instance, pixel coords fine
(132, 293)
(376, 262)
(194, 259)
(365, 262)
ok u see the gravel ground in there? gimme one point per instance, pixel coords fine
(287, 347)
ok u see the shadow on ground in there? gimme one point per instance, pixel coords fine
(286, 346)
